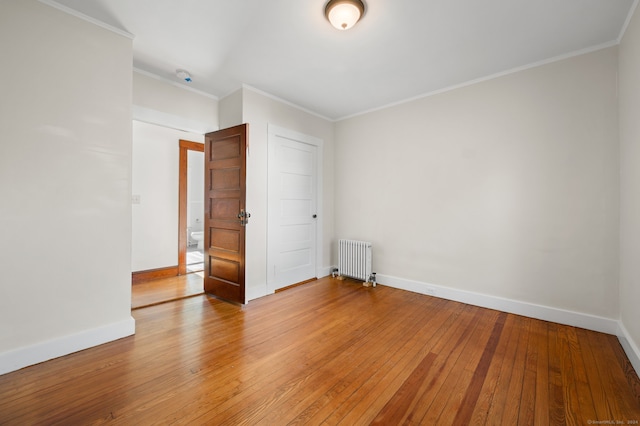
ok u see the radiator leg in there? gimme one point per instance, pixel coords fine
(371, 281)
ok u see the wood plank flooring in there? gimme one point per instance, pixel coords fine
(153, 292)
(331, 352)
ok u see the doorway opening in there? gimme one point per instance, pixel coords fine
(155, 215)
(155, 289)
(191, 208)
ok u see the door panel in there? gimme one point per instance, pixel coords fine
(225, 209)
(225, 195)
(225, 239)
(292, 211)
(225, 179)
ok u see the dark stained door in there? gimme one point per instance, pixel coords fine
(225, 213)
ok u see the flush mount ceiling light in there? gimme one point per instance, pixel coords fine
(343, 14)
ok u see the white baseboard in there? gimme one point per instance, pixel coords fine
(40, 352)
(259, 291)
(324, 272)
(630, 348)
(546, 313)
(252, 293)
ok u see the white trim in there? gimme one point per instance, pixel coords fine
(324, 271)
(284, 101)
(40, 352)
(274, 131)
(252, 293)
(87, 18)
(547, 61)
(546, 313)
(486, 78)
(627, 21)
(159, 118)
(175, 83)
(630, 348)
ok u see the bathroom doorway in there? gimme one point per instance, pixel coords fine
(191, 208)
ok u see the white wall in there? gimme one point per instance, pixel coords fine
(167, 104)
(155, 168)
(629, 70)
(508, 188)
(230, 110)
(65, 184)
(260, 110)
(165, 112)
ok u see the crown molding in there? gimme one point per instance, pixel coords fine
(87, 18)
(627, 21)
(284, 101)
(174, 83)
(487, 78)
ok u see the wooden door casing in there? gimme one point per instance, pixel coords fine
(225, 198)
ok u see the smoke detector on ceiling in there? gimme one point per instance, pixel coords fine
(183, 75)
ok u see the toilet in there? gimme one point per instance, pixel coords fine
(199, 237)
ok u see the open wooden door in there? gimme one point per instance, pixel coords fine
(225, 213)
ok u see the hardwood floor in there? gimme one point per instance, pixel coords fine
(331, 352)
(153, 292)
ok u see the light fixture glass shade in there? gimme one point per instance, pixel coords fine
(343, 14)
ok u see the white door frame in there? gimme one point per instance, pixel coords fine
(276, 131)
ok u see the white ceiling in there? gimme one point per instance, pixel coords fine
(399, 50)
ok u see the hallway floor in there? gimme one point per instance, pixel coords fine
(162, 290)
(195, 259)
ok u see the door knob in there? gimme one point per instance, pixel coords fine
(244, 217)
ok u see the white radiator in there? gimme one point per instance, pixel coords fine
(354, 260)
